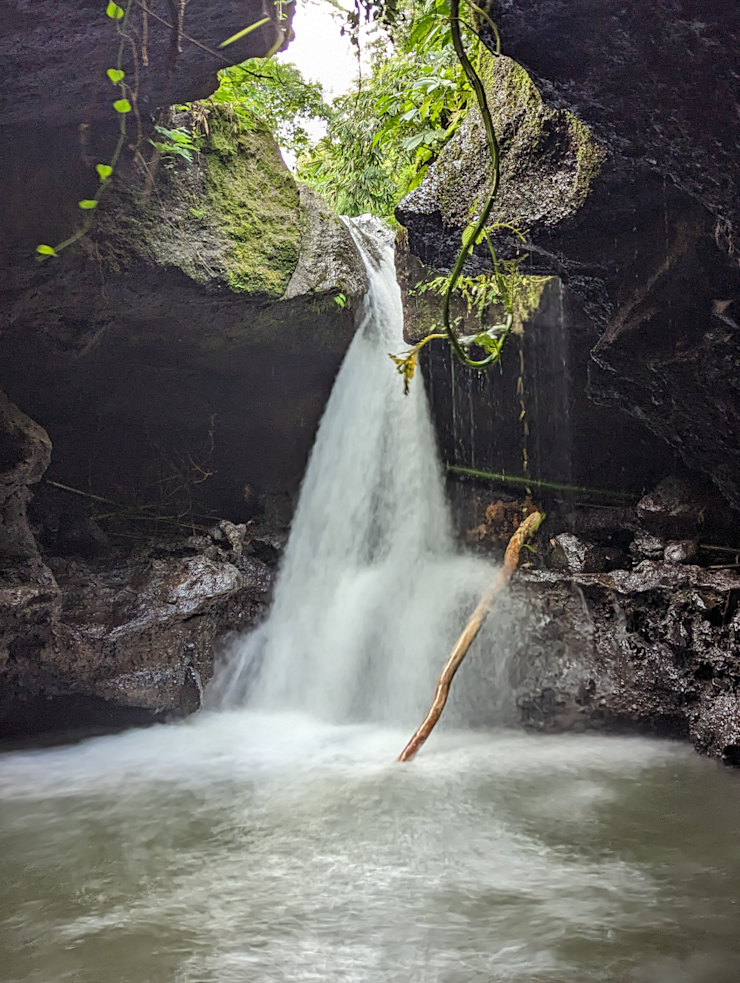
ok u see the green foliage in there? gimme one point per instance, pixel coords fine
(87, 204)
(177, 143)
(505, 295)
(114, 11)
(115, 75)
(385, 132)
(278, 95)
(122, 106)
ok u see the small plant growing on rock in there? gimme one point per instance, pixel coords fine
(176, 143)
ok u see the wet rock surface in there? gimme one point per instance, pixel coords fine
(654, 649)
(645, 248)
(624, 381)
(127, 640)
(594, 635)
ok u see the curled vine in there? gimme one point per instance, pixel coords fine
(503, 279)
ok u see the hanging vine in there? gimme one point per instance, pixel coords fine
(503, 283)
(122, 106)
(128, 93)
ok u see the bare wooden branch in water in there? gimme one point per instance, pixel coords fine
(511, 560)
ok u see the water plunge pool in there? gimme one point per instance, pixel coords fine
(257, 847)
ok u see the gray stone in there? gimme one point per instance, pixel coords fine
(234, 534)
(681, 551)
(639, 221)
(672, 510)
(645, 546)
(580, 556)
(329, 261)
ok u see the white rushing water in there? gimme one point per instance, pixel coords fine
(372, 590)
(278, 842)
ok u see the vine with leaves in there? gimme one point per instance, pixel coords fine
(176, 142)
(500, 287)
(122, 106)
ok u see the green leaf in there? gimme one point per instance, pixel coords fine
(122, 106)
(491, 346)
(104, 171)
(114, 11)
(468, 234)
(46, 250)
(115, 75)
(87, 203)
(242, 34)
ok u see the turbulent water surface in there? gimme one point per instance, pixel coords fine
(248, 847)
(273, 838)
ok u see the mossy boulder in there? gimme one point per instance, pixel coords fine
(233, 218)
(230, 218)
(253, 201)
(549, 158)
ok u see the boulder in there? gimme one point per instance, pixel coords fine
(579, 556)
(650, 650)
(127, 641)
(671, 510)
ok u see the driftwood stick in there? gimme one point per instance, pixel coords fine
(511, 560)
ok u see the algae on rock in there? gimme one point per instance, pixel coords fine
(231, 218)
(253, 198)
(549, 158)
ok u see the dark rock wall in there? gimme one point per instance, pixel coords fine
(657, 81)
(531, 414)
(56, 115)
(648, 252)
(152, 377)
(175, 360)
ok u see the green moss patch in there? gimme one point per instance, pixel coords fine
(549, 158)
(253, 200)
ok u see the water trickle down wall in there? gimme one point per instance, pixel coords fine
(529, 415)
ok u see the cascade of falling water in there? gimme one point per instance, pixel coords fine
(369, 594)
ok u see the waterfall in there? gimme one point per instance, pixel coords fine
(369, 594)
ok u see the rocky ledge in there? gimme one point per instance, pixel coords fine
(123, 638)
(628, 620)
